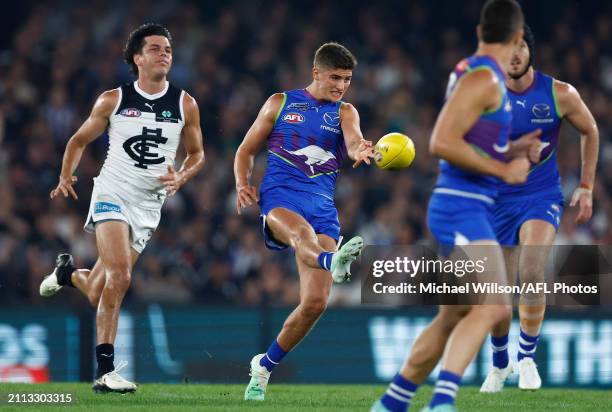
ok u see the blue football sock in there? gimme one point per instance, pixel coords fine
(446, 389)
(273, 356)
(500, 351)
(325, 260)
(527, 345)
(399, 394)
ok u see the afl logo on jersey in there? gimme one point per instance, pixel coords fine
(130, 112)
(294, 118)
(332, 118)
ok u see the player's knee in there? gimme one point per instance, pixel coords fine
(298, 235)
(505, 312)
(531, 274)
(449, 318)
(118, 277)
(495, 313)
(313, 307)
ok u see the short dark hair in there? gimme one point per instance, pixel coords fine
(499, 20)
(530, 40)
(333, 55)
(136, 41)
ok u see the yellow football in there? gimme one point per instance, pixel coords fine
(394, 151)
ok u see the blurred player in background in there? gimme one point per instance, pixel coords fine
(145, 120)
(529, 214)
(309, 132)
(471, 136)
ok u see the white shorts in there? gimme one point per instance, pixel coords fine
(107, 203)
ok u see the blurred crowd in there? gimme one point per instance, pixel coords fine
(230, 56)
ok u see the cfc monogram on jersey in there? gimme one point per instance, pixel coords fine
(137, 147)
(144, 133)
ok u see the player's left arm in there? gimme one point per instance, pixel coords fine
(574, 110)
(358, 148)
(191, 136)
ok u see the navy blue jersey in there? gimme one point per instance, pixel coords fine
(536, 108)
(306, 146)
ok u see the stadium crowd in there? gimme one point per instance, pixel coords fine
(230, 56)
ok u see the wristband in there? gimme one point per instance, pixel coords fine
(585, 186)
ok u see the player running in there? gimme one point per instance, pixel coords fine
(309, 133)
(471, 138)
(145, 120)
(529, 214)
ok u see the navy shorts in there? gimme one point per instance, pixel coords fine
(318, 210)
(509, 214)
(457, 220)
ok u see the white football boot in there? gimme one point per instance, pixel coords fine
(342, 259)
(496, 378)
(113, 382)
(50, 284)
(256, 389)
(529, 378)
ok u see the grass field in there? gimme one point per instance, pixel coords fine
(311, 398)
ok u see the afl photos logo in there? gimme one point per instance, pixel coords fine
(137, 147)
(294, 118)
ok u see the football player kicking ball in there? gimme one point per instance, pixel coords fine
(145, 120)
(529, 214)
(309, 133)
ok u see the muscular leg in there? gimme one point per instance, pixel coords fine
(455, 335)
(529, 261)
(293, 230)
(315, 285)
(113, 239)
(536, 236)
(467, 337)
(91, 282)
(429, 346)
(511, 257)
(459, 329)
(80, 277)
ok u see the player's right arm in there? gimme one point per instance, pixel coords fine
(573, 108)
(474, 93)
(252, 143)
(93, 127)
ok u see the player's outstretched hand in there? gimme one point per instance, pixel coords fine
(528, 145)
(516, 171)
(65, 187)
(584, 198)
(365, 152)
(172, 181)
(246, 195)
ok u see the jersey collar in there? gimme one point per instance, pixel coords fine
(150, 96)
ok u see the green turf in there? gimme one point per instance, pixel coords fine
(311, 398)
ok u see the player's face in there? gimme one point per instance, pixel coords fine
(156, 56)
(520, 61)
(333, 82)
